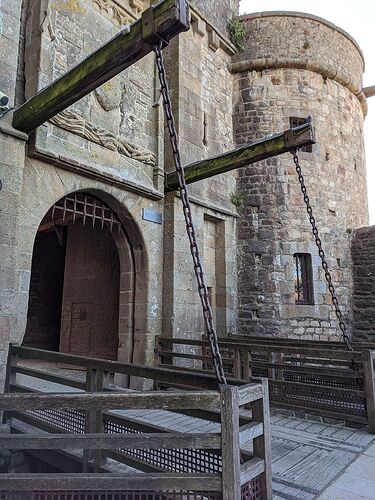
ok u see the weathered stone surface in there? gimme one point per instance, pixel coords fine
(113, 144)
(273, 222)
(363, 254)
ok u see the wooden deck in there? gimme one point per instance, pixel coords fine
(307, 456)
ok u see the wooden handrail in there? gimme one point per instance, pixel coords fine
(107, 441)
(166, 400)
(266, 348)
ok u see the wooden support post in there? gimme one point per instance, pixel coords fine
(247, 371)
(237, 372)
(93, 420)
(10, 376)
(368, 366)
(245, 155)
(165, 19)
(230, 443)
(262, 444)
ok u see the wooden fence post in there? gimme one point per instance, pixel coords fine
(368, 366)
(10, 376)
(237, 372)
(247, 371)
(262, 444)
(93, 419)
(231, 471)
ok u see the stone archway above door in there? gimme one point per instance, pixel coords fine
(97, 305)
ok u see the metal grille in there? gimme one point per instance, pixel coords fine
(316, 398)
(67, 420)
(254, 490)
(83, 207)
(326, 380)
(303, 279)
(175, 460)
(115, 495)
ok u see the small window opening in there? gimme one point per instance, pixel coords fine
(296, 122)
(303, 283)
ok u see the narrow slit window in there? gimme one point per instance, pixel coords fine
(296, 122)
(303, 284)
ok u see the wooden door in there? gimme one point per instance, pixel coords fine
(90, 306)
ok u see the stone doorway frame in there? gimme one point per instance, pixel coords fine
(132, 321)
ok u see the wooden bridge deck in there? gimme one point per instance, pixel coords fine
(307, 456)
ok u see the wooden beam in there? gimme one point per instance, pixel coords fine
(111, 401)
(112, 482)
(245, 155)
(154, 441)
(168, 19)
(369, 91)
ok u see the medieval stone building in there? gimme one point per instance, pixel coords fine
(94, 255)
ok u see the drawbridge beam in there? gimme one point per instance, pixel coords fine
(245, 155)
(163, 21)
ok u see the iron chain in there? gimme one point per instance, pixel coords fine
(203, 291)
(321, 253)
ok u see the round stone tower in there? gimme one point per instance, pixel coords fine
(297, 65)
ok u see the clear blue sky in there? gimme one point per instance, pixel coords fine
(358, 19)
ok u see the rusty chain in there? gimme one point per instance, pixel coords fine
(202, 288)
(321, 253)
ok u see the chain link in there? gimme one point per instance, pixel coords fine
(321, 253)
(203, 292)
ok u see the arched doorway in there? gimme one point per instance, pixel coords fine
(77, 279)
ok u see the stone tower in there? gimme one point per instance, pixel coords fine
(294, 66)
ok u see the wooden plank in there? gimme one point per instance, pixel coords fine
(251, 469)
(230, 443)
(250, 431)
(149, 441)
(201, 380)
(311, 351)
(170, 18)
(249, 393)
(369, 376)
(50, 377)
(75, 401)
(93, 420)
(243, 156)
(110, 482)
(262, 444)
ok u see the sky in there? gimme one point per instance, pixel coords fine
(358, 19)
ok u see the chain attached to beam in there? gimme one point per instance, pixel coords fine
(203, 292)
(321, 253)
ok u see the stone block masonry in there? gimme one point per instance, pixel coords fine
(363, 254)
(287, 73)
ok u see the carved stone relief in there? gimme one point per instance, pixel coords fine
(121, 11)
(74, 123)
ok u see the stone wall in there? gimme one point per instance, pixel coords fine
(273, 223)
(217, 12)
(111, 144)
(202, 90)
(363, 255)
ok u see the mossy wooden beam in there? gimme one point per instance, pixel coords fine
(167, 19)
(245, 155)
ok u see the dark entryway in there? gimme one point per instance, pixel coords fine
(75, 280)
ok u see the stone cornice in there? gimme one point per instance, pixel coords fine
(304, 64)
(303, 15)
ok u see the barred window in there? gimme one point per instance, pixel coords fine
(296, 122)
(303, 283)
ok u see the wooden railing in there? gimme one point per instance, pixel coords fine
(212, 465)
(331, 381)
